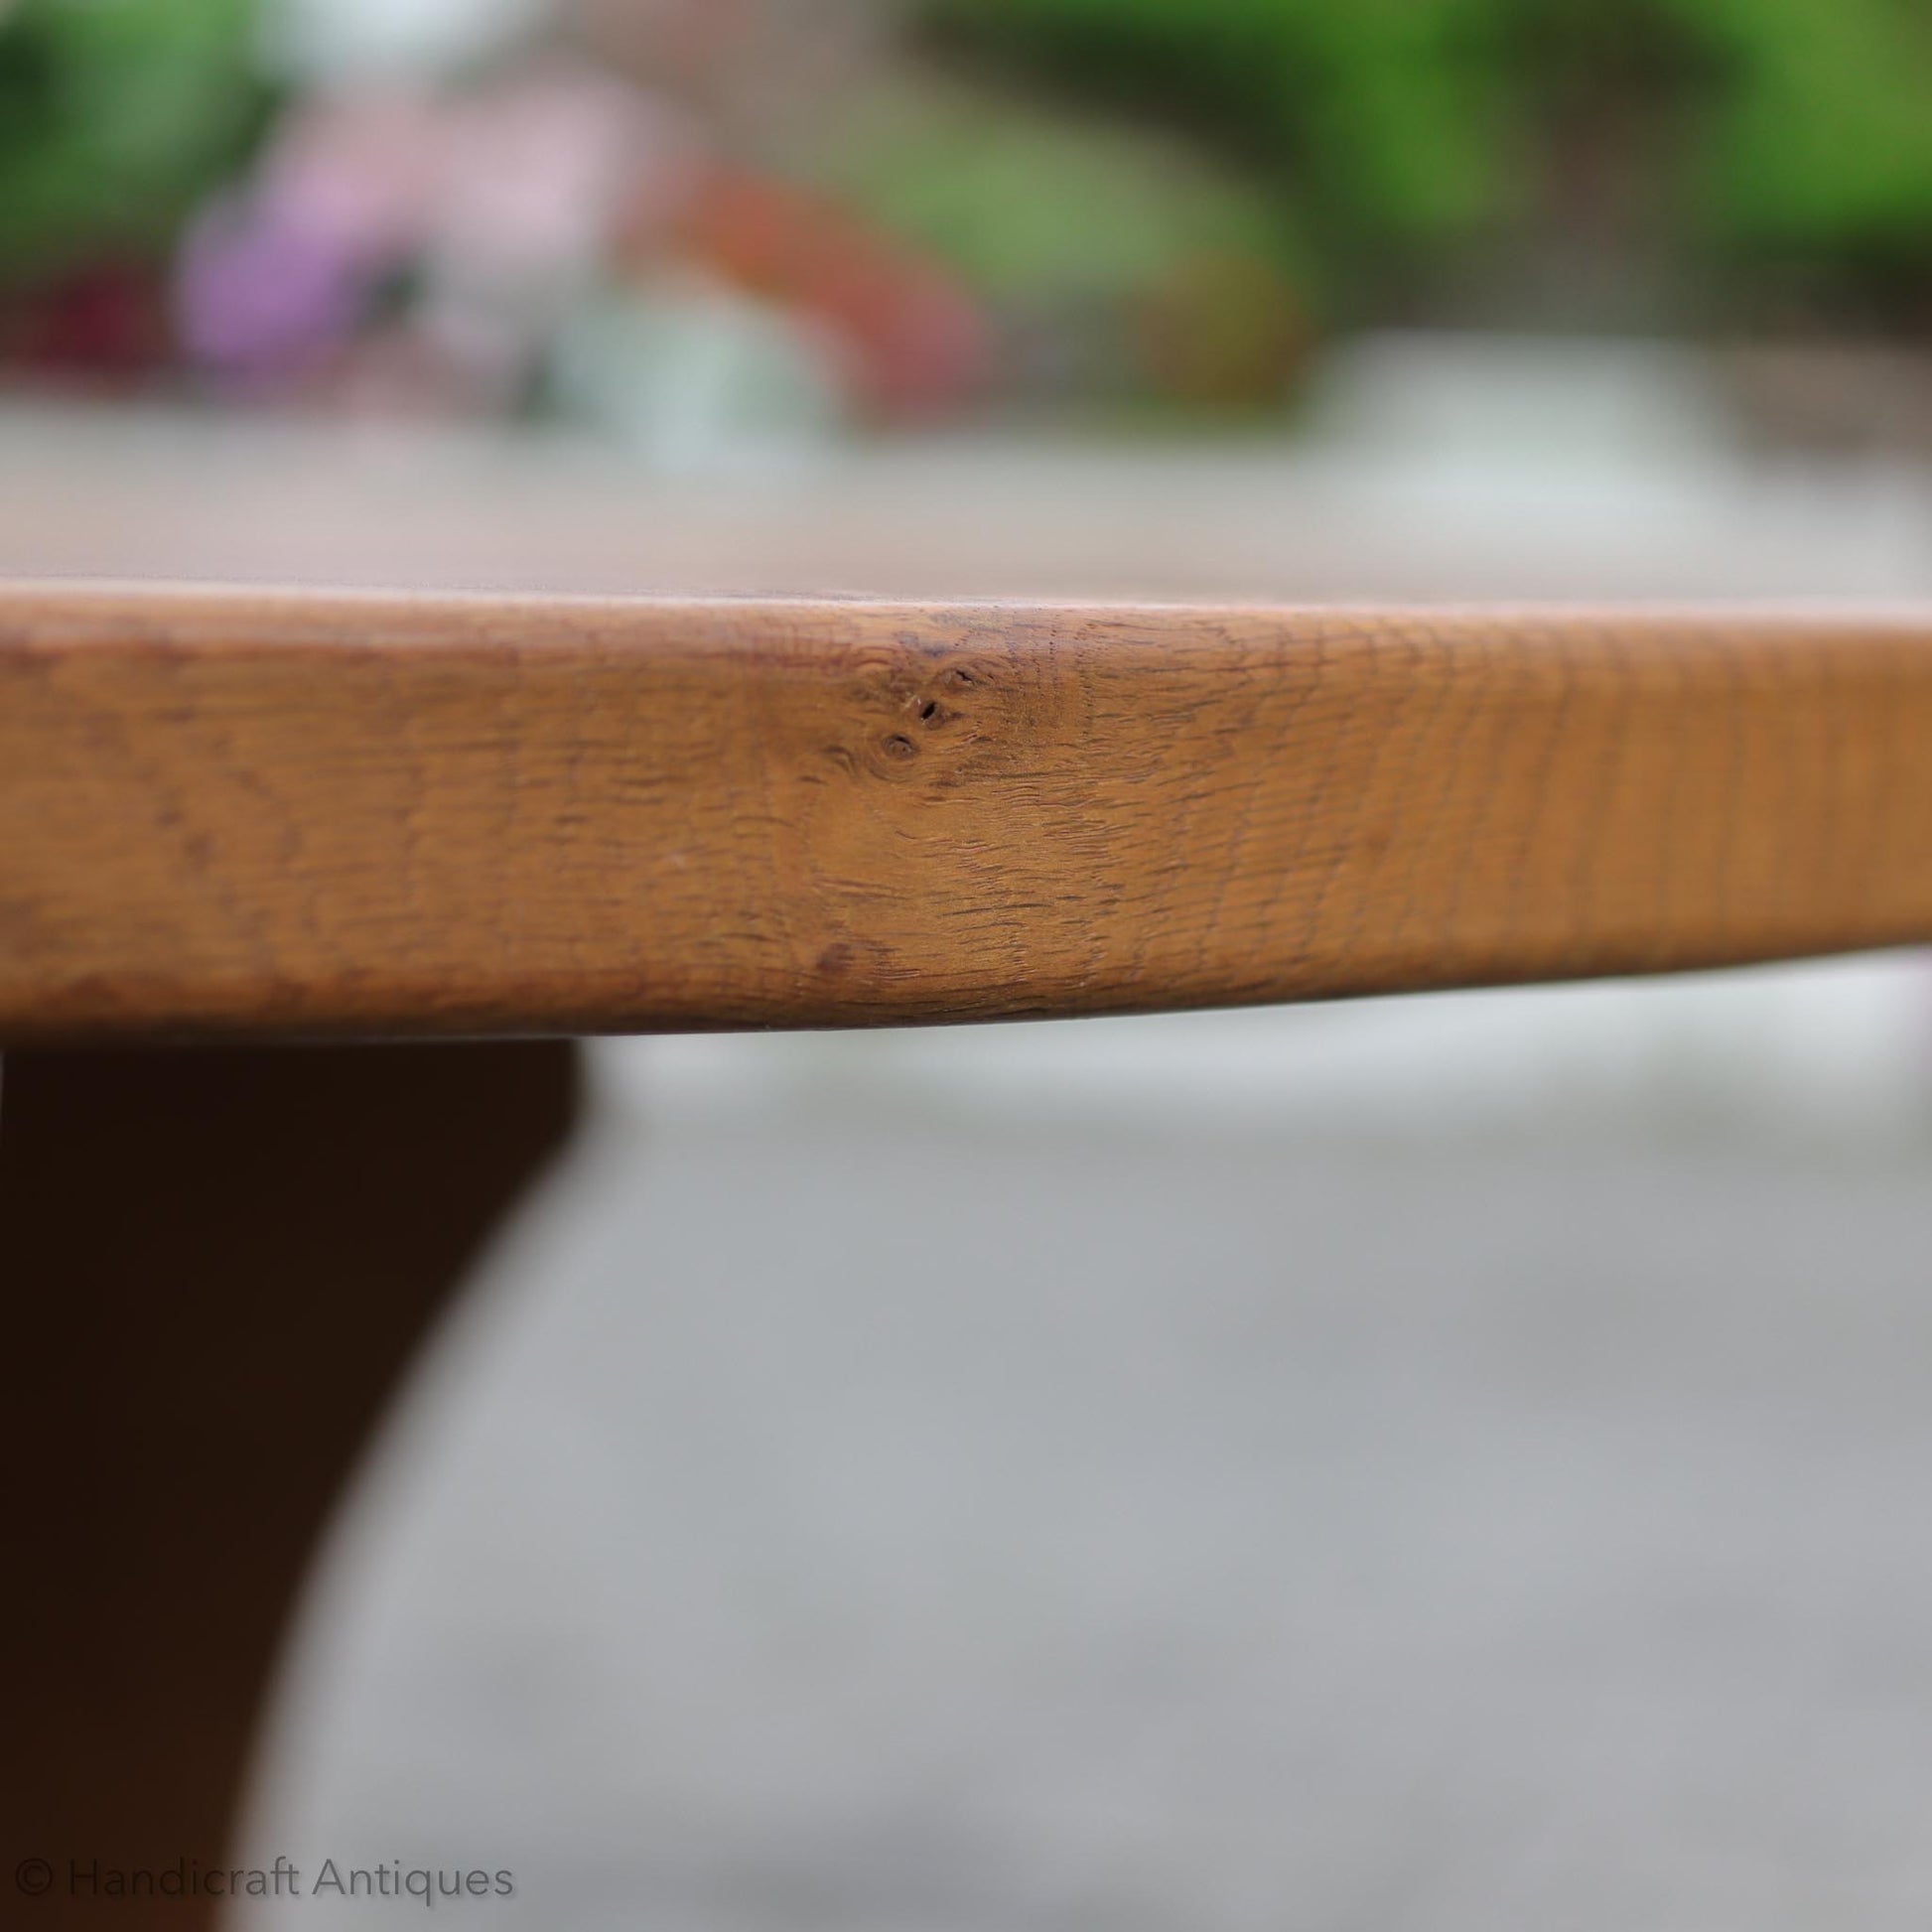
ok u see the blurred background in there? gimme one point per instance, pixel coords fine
(1446, 1462)
(686, 222)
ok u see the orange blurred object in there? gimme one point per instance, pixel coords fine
(918, 341)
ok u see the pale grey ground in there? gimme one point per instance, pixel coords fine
(937, 1524)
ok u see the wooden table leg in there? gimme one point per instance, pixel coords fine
(215, 1266)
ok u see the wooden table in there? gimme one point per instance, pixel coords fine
(242, 830)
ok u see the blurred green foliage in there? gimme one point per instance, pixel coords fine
(1114, 259)
(115, 117)
(1820, 138)
(1372, 107)
(1772, 135)
(1023, 202)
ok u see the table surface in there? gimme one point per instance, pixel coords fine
(300, 813)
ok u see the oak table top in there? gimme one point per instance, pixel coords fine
(257, 814)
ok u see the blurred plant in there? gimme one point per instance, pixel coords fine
(1753, 137)
(1817, 152)
(116, 116)
(1380, 114)
(1113, 259)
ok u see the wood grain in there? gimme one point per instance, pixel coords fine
(254, 814)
